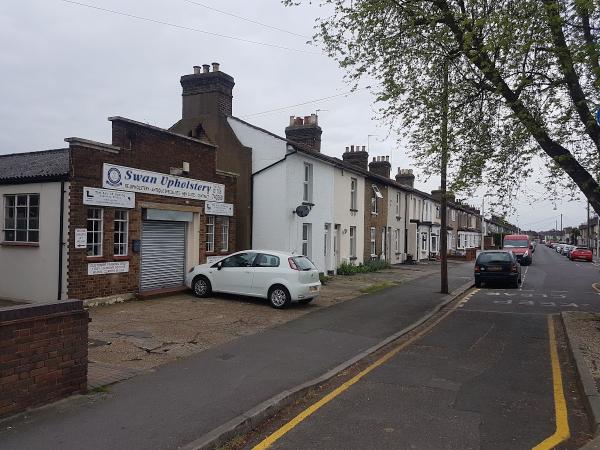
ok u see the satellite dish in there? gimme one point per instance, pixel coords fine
(302, 210)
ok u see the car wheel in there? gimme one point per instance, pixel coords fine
(201, 287)
(477, 283)
(305, 301)
(279, 297)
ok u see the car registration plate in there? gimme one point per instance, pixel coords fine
(494, 269)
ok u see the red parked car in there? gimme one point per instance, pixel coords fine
(581, 253)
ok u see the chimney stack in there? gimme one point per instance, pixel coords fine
(305, 131)
(381, 166)
(206, 92)
(405, 177)
(356, 157)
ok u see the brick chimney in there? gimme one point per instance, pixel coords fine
(405, 177)
(381, 166)
(305, 131)
(356, 157)
(207, 92)
(437, 195)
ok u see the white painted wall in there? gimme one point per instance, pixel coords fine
(345, 217)
(30, 274)
(266, 148)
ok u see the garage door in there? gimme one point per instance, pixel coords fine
(163, 255)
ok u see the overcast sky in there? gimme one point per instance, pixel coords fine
(65, 68)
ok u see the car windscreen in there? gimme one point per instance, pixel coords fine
(304, 263)
(515, 243)
(499, 257)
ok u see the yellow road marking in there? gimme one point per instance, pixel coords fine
(271, 439)
(596, 286)
(562, 432)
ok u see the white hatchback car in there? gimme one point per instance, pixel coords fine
(280, 277)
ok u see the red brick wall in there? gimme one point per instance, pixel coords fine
(143, 148)
(43, 354)
(379, 220)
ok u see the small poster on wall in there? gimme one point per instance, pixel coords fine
(80, 237)
(108, 267)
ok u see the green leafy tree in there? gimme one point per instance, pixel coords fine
(524, 83)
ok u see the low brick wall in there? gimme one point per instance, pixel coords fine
(43, 354)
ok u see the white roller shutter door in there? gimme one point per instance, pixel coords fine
(163, 255)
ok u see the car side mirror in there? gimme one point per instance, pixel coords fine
(219, 265)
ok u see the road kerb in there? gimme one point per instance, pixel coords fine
(255, 416)
(591, 397)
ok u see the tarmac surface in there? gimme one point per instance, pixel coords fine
(481, 378)
(181, 401)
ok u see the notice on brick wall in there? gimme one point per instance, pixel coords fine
(80, 237)
(108, 267)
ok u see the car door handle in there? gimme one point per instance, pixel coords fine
(248, 271)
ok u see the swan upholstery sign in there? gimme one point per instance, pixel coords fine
(145, 182)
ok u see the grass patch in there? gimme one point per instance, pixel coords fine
(370, 266)
(378, 287)
(234, 443)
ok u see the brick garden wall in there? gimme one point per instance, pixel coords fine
(43, 354)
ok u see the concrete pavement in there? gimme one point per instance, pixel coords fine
(180, 402)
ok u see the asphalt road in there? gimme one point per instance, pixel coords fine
(481, 378)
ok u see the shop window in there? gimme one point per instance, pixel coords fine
(121, 232)
(306, 232)
(94, 231)
(352, 242)
(22, 218)
(225, 234)
(210, 234)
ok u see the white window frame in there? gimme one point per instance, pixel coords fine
(99, 232)
(210, 234)
(352, 242)
(307, 183)
(423, 241)
(224, 234)
(353, 194)
(373, 245)
(453, 215)
(35, 232)
(306, 239)
(374, 197)
(398, 204)
(121, 233)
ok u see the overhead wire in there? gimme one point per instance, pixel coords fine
(184, 27)
(282, 108)
(256, 22)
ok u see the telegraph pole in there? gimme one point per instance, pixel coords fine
(443, 176)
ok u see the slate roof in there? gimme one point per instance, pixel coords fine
(30, 167)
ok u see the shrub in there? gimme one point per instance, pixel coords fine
(370, 266)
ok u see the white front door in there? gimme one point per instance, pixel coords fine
(326, 249)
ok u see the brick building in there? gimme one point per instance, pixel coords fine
(121, 219)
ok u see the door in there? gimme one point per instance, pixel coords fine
(336, 246)
(266, 269)
(235, 274)
(326, 248)
(383, 244)
(163, 255)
